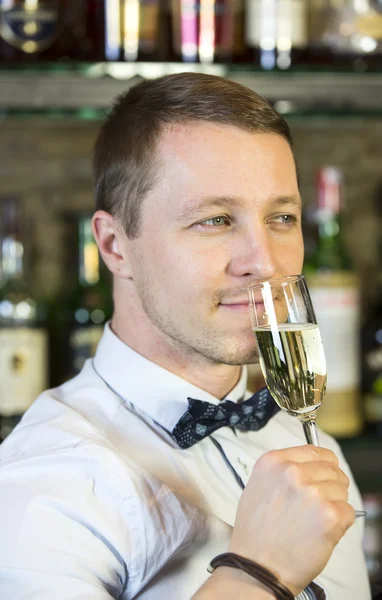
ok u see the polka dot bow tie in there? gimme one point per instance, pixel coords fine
(203, 418)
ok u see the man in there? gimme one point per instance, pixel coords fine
(114, 487)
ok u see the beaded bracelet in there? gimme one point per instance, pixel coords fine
(229, 559)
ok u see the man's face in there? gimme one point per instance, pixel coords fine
(224, 215)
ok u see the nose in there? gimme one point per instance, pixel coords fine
(253, 254)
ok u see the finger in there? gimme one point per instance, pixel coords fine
(328, 491)
(324, 471)
(345, 517)
(302, 454)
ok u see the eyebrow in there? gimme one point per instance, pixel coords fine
(233, 202)
(294, 200)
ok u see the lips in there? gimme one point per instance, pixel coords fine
(236, 303)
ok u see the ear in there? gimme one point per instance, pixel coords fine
(112, 243)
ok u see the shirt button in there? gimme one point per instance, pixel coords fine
(243, 465)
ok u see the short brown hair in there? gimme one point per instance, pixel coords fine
(124, 153)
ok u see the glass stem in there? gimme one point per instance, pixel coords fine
(310, 431)
(311, 436)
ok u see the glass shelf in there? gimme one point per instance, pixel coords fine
(94, 86)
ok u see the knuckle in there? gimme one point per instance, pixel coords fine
(330, 517)
(346, 479)
(330, 455)
(345, 490)
(313, 493)
(345, 518)
(293, 474)
(269, 459)
(349, 516)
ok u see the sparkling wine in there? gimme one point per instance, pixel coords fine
(293, 363)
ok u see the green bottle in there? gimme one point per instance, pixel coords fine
(334, 288)
(372, 344)
(23, 335)
(79, 314)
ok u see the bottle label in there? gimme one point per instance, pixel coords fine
(216, 34)
(261, 23)
(186, 29)
(148, 25)
(83, 342)
(337, 311)
(270, 23)
(23, 368)
(140, 23)
(370, 25)
(292, 24)
(30, 28)
(113, 30)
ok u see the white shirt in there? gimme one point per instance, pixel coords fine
(98, 502)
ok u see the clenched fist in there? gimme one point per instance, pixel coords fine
(292, 513)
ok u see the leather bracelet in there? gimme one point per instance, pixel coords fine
(229, 559)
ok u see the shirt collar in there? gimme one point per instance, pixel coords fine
(160, 394)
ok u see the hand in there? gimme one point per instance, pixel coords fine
(292, 513)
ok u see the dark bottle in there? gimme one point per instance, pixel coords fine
(372, 367)
(372, 538)
(277, 32)
(134, 31)
(51, 30)
(79, 314)
(23, 334)
(371, 344)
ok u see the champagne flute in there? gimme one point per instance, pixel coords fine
(291, 352)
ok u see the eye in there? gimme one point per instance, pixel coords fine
(284, 220)
(215, 222)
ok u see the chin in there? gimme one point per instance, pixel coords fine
(239, 356)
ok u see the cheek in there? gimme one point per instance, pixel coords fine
(292, 255)
(193, 265)
(171, 274)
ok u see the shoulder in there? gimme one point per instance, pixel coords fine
(66, 448)
(63, 481)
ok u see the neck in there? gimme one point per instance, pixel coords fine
(131, 324)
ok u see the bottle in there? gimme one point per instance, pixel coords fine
(334, 289)
(23, 335)
(51, 30)
(277, 32)
(347, 33)
(79, 314)
(133, 30)
(372, 367)
(372, 350)
(204, 31)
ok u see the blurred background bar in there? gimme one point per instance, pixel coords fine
(319, 62)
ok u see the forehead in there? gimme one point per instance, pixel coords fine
(203, 159)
